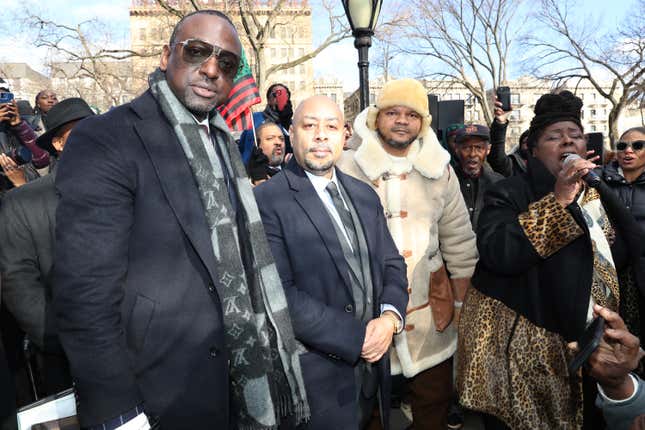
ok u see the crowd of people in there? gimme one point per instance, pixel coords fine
(315, 274)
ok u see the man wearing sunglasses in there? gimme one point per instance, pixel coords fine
(168, 303)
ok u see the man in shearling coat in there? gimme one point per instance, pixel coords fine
(407, 167)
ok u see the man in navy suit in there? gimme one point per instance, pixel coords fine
(158, 306)
(344, 279)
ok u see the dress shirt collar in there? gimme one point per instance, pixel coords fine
(320, 182)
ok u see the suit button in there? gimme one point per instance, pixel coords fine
(211, 287)
(349, 308)
(213, 352)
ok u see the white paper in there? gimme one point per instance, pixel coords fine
(54, 409)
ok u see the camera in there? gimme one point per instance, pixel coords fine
(19, 155)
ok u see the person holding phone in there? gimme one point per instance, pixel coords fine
(14, 133)
(549, 250)
(501, 162)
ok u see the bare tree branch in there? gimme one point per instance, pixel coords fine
(469, 38)
(614, 64)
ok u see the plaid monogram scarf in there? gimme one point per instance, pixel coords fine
(265, 375)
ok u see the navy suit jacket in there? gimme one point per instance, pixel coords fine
(136, 309)
(315, 276)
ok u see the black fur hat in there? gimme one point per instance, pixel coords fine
(552, 108)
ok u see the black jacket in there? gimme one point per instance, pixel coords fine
(473, 190)
(27, 221)
(9, 141)
(136, 307)
(631, 194)
(505, 164)
(551, 292)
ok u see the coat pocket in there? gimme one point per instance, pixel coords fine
(139, 322)
(442, 300)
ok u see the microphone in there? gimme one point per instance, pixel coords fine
(592, 179)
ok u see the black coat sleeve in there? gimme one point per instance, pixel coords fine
(24, 286)
(96, 183)
(497, 158)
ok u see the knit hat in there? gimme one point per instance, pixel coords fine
(402, 92)
(552, 108)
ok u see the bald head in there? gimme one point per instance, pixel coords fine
(318, 103)
(317, 135)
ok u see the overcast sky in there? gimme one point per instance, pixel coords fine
(114, 13)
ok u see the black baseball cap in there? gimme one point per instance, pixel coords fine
(61, 113)
(472, 130)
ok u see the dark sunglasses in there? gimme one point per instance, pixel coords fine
(636, 146)
(196, 52)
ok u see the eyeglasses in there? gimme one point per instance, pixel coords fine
(197, 52)
(636, 146)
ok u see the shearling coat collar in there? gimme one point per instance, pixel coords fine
(427, 155)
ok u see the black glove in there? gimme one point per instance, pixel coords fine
(258, 167)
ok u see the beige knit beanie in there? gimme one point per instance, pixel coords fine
(402, 92)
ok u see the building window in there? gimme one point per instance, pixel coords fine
(301, 52)
(333, 97)
(372, 98)
(467, 115)
(593, 128)
(283, 53)
(302, 69)
(476, 115)
(515, 99)
(594, 114)
(142, 34)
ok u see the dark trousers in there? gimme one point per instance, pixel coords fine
(430, 394)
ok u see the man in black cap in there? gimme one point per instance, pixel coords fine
(27, 220)
(472, 145)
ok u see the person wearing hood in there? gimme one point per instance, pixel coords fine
(278, 110)
(27, 221)
(551, 247)
(402, 160)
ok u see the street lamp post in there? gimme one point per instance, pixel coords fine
(362, 16)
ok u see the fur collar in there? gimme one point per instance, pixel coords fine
(426, 154)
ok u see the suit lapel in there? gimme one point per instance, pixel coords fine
(311, 204)
(177, 183)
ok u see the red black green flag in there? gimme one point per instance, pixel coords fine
(244, 94)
